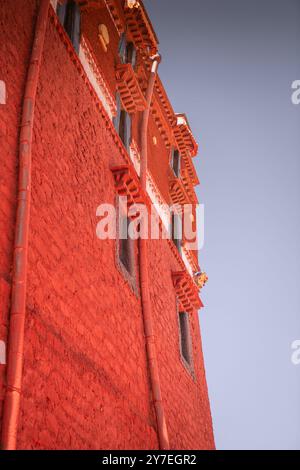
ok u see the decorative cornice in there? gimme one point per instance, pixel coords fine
(177, 192)
(184, 137)
(192, 174)
(165, 102)
(189, 186)
(131, 94)
(141, 29)
(128, 185)
(186, 291)
(192, 258)
(161, 123)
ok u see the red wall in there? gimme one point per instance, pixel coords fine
(85, 381)
(16, 34)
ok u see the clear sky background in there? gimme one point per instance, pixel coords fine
(229, 65)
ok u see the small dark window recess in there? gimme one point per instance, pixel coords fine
(126, 247)
(69, 15)
(118, 115)
(176, 230)
(122, 127)
(122, 48)
(127, 51)
(131, 54)
(185, 339)
(122, 123)
(175, 162)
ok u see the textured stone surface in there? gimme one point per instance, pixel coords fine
(85, 382)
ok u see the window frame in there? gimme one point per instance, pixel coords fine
(69, 15)
(176, 169)
(126, 247)
(185, 341)
(130, 275)
(126, 135)
(131, 54)
(122, 47)
(176, 219)
(127, 51)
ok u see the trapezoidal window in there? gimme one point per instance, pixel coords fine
(176, 230)
(126, 247)
(69, 15)
(127, 51)
(131, 54)
(122, 123)
(175, 162)
(122, 48)
(185, 338)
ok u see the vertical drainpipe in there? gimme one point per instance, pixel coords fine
(144, 279)
(19, 281)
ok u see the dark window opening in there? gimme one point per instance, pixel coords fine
(176, 230)
(185, 339)
(122, 48)
(122, 126)
(131, 54)
(122, 123)
(126, 247)
(127, 51)
(69, 15)
(175, 162)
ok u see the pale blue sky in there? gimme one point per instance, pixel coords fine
(229, 65)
